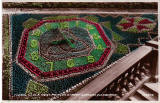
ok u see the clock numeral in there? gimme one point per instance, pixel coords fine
(89, 27)
(90, 59)
(34, 56)
(99, 47)
(95, 36)
(77, 23)
(34, 43)
(64, 25)
(51, 65)
(70, 63)
(48, 26)
(37, 32)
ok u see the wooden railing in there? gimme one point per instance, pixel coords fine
(154, 56)
(116, 81)
(153, 43)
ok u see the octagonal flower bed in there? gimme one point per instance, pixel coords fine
(55, 49)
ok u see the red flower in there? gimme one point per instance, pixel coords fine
(145, 21)
(136, 22)
(127, 25)
(140, 27)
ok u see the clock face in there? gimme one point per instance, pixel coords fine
(61, 44)
(55, 49)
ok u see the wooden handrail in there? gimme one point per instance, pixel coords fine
(111, 74)
(153, 43)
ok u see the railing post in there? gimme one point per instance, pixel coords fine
(153, 59)
(154, 64)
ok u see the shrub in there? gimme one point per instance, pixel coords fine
(30, 23)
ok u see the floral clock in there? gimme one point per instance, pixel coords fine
(56, 49)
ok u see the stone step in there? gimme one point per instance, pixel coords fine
(135, 88)
(146, 94)
(152, 87)
(133, 98)
(141, 97)
(136, 97)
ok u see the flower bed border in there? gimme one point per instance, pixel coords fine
(58, 73)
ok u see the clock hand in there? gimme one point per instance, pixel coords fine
(66, 39)
(58, 42)
(69, 41)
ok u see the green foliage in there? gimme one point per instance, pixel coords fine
(6, 36)
(133, 29)
(119, 27)
(48, 26)
(89, 27)
(107, 24)
(60, 17)
(64, 25)
(60, 65)
(137, 19)
(150, 26)
(55, 25)
(122, 49)
(35, 88)
(123, 21)
(92, 18)
(96, 54)
(6, 57)
(96, 37)
(116, 36)
(6, 60)
(30, 23)
(42, 29)
(80, 61)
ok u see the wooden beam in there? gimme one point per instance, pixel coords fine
(111, 74)
(152, 44)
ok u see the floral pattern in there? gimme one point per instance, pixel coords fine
(136, 24)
